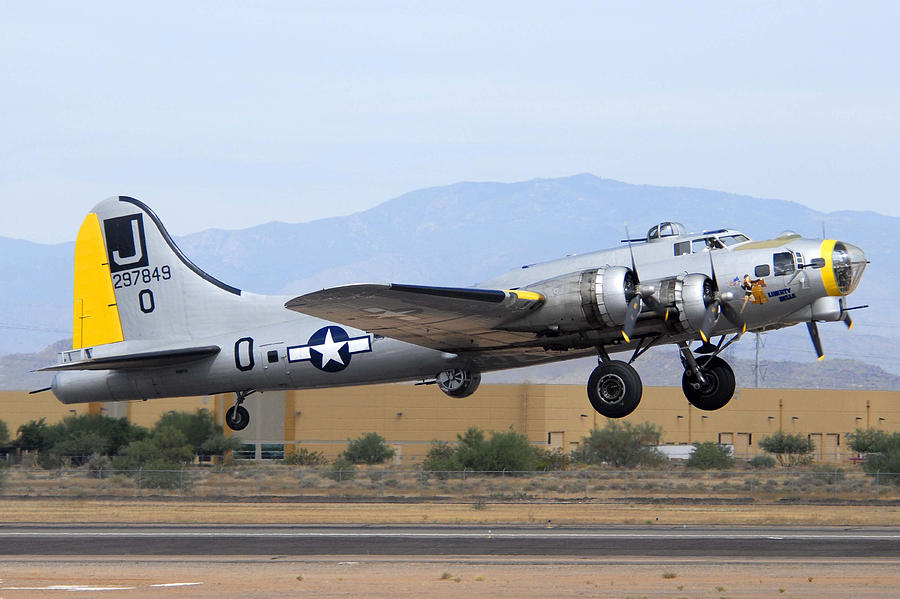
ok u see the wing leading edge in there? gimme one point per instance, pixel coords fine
(450, 319)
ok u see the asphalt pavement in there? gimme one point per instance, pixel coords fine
(652, 541)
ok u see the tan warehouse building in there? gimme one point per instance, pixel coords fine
(410, 417)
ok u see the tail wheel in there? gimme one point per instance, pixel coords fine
(614, 389)
(237, 418)
(719, 387)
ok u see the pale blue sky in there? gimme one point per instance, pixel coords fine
(226, 114)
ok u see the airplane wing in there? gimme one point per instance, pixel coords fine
(446, 318)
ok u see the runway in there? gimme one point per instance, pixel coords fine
(652, 541)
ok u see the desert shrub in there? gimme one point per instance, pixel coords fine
(762, 461)
(622, 444)
(369, 448)
(552, 459)
(872, 440)
(342, 469)
(4, 435)
(789, 449)
(32, 436)
(302, 456)
(710, 456)
(473, 451)
(441, 457)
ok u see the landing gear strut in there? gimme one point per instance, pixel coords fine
(237, 417)
(614, 388)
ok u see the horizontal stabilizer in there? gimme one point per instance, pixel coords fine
(151, 359)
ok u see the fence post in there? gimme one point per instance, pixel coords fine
(382, 483)
(99, 481)
(708, 484)
(259, 477)
(61, 474)
(181, 482)
(877, 481)
(793, 478)
(585, 483)
(667, 482)
(221, 475)
(301, 482)
(503, 486)
(751, 488)
(140, 481)
(463, 484)
(341, 482)
(626, 483)
(835, 483)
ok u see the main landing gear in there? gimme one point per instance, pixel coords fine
(237, 417)
(614, 387)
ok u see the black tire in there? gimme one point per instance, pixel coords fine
(237, 418)
(719, 388)
(614, 389)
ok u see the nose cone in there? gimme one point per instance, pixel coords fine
(844, 270)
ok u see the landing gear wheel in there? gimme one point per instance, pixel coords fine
(719, 387)
(237, 418)
(614, 389)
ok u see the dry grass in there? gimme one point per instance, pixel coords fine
(209, 512)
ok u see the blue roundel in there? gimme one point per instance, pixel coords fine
(329, 350)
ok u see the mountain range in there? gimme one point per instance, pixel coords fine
(467, 232)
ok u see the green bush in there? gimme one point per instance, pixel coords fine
(710, 456)
(369, 448)
(4, 435)
(622, 444)
(301, 456)
(882, 452)
(508, 451)
(790, 450)
(762, 461)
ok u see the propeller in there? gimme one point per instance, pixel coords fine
(718, 304)
(637, 294)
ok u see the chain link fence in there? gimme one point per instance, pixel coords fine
(253, 481)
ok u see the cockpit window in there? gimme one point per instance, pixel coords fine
(730, 240)
(784, 263)
(705, 243)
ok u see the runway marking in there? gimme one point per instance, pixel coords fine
(68, 587)
(177, 584)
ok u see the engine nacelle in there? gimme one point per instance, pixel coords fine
(586, 300)
(692, 293)
(458, 382)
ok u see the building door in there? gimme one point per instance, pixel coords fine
(743, 445)
(816, 438)
(831, 447)
(555, 439)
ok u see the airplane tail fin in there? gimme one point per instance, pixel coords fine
(133, 282)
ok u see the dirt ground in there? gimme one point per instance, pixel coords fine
(209, 512)
(400, 578)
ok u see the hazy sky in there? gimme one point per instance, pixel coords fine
(225, 114)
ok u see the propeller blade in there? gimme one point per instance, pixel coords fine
(847, 321)
(631, 315)
(709, 321)
(734, 317)
(845, 315)
(816, 341)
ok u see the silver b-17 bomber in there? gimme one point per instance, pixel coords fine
(149, 323)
